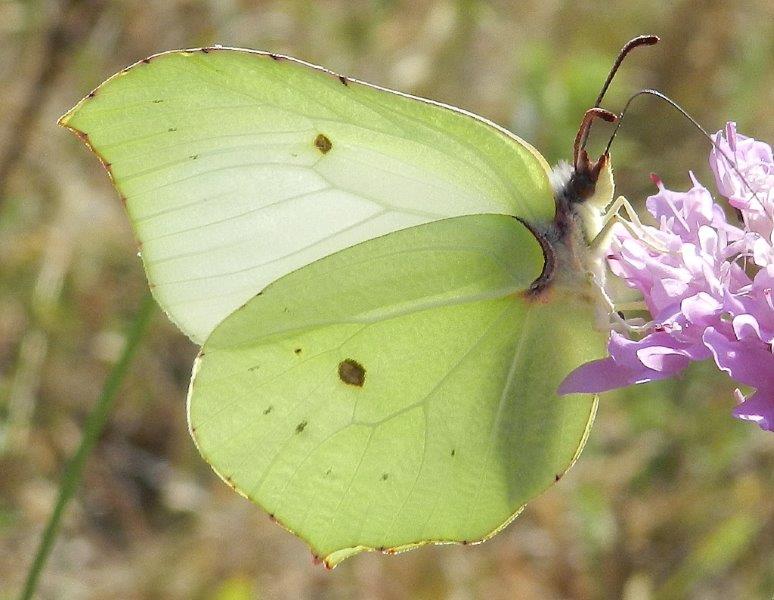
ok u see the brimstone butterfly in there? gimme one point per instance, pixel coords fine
(388, 291)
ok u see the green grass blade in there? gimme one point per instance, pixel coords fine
(92, 430)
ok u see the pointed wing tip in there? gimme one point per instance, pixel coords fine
(64, 120)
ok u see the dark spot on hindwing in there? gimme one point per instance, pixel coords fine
(301, 426)
(352, 372)
(322, 143)
(385, 476)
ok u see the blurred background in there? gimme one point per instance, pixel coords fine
(672, 498)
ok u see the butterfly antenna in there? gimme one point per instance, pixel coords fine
(588, 118)
(585, 171)
(694, 122)
(642, 40)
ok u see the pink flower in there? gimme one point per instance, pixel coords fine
(706, 283)
(750, 186)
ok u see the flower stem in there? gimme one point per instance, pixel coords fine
(92, 430)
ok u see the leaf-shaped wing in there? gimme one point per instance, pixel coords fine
(238, 167)
(399, 392)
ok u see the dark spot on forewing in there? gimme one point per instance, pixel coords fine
(301, 426)
(453, 452)
(385, 476)
(158, 101)
(268, 409)
(322, 143)
(352, 372)
(297, 350)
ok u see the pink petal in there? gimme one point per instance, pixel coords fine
(758, 408)
(604, 375)
(749, 364)
(663, 359)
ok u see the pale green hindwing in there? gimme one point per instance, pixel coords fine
(399, 392)
(238, 167)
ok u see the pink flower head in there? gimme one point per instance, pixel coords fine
(707, 284)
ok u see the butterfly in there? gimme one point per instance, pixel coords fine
(387, 291)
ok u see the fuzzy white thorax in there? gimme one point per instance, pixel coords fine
(581, 249)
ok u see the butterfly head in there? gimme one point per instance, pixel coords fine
(583, 189)
(591, 193)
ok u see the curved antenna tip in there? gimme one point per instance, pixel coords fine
(642, 40)
(648, 40)
(588, 118)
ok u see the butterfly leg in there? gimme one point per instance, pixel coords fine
(609, 316)
(631, 223)
(634, 226)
